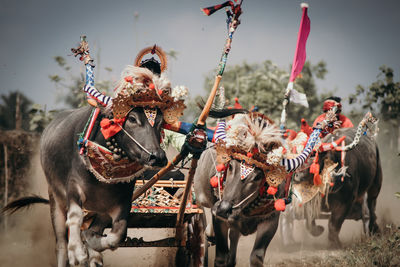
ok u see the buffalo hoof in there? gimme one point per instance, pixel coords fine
(374, 229)
(77, 254)
(316, 230)
(92, 239)
(335, 244)
(95, 258)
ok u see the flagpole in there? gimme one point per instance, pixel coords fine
(298, 62)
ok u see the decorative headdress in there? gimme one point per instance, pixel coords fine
(145, 85)
(256, 143)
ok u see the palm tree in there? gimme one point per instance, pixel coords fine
(8, 110)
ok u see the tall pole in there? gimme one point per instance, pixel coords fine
(5, 182)
(18, 119)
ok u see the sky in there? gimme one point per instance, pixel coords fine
(354, 38)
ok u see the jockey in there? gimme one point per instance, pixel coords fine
(94, 96)
(342, 120)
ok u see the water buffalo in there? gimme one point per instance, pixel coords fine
(234, 210)
(73, 189)
(360, 183)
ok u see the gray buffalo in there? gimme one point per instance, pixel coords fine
(234, 211)
(355, 188)
(73, 189)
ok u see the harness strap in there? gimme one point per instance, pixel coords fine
(134, 140)
(92, 120)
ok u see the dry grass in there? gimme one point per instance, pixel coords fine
(378, 250)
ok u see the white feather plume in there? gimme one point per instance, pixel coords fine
(302, 5)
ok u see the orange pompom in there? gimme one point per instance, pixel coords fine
(214, 181)
(272, 190)
(220, 167)
(249, 154)
(280, 204)
(160, 91)
(151, 86)
(129, 79)
(331, 184)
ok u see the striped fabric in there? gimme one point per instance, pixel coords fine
(91, 91)
(292, 164)
(220, 131)
(289, 164)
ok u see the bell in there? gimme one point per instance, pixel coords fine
(116, 157)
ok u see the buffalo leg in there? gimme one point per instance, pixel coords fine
(76, 250)
(234, 236)
(365, 214)
(98, 225)
(58, 218)
(373, 193)
(313, 228)
(117, 234)
(338, 214)
(265, 232)
(221, 242)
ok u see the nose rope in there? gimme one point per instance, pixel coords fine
(134, 140)
(244, 200)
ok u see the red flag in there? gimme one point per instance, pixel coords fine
(300, 54)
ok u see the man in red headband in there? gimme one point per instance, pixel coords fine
(342, 122)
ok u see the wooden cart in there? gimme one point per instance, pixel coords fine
(159, 208)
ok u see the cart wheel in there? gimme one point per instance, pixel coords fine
(195, 254)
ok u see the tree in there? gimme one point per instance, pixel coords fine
(8, 110)
(263, 85)
(70, 85)
(382, 97)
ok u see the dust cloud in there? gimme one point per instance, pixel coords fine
(29, 240)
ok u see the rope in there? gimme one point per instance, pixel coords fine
(134, 140)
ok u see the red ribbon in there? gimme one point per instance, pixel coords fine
(314, 169)
(110, 128)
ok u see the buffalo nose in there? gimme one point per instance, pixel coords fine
(224, 209)
(158, 159)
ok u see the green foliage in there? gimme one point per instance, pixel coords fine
(70, 85)
(8, 110)
(40, 118)
(263, 85)
(382, 96)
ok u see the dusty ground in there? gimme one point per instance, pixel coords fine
(28, 239)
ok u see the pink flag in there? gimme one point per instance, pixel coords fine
(300, 54)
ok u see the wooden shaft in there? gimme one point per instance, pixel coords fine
(137, 193)
(210, 100)
(165, 183)
(182, 207)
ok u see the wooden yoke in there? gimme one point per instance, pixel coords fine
(206, 110)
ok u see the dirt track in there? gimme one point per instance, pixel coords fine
(29, 239)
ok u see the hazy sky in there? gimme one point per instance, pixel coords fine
(354, 37)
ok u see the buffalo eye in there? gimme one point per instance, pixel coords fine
(132, 119)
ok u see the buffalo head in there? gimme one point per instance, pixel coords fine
(238, 193)
(137, 127)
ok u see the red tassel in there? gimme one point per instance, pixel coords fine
(214, 181)
(272, 190)
(220, 167)
(280, 205)
(315, 168)
(317, 179)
